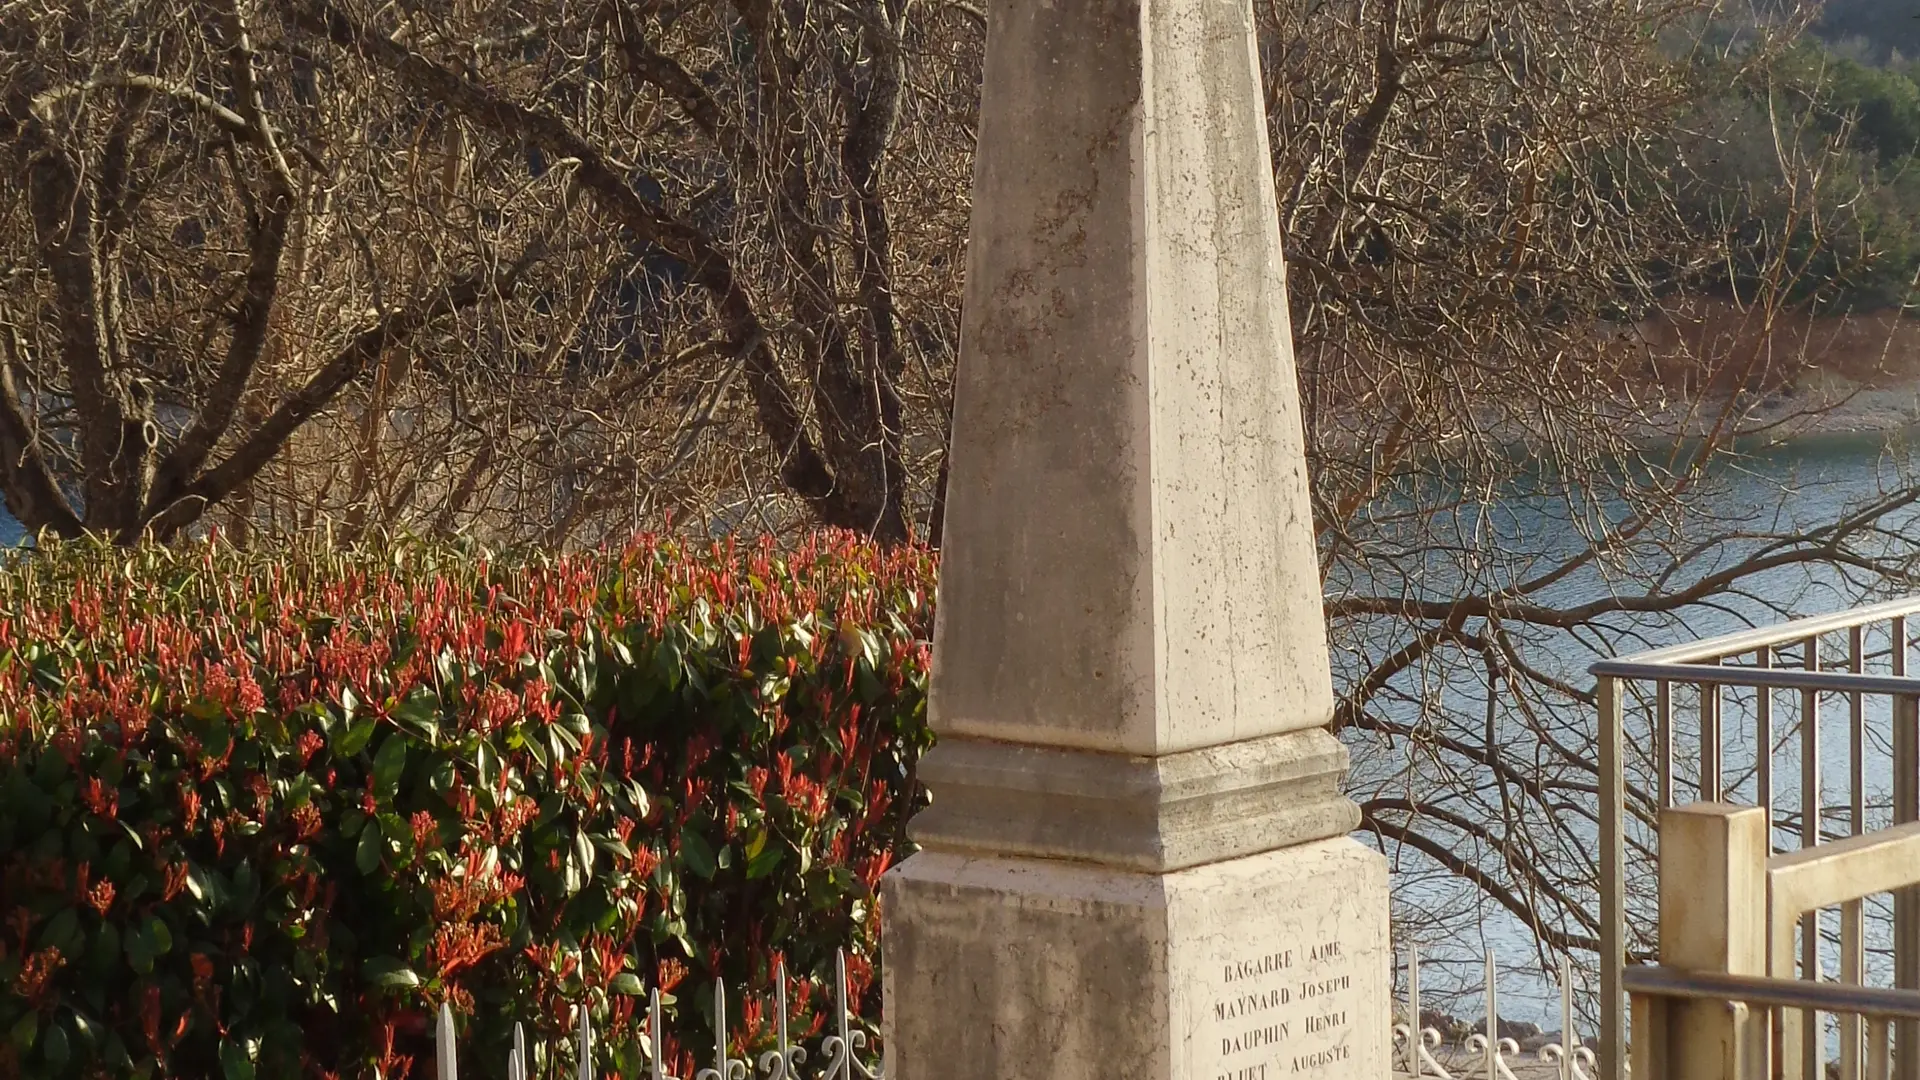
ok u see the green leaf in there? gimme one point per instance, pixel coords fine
(666, 664)
(235, 1062)
(442, 777)
(105, 951)
(246, 886)
(367, 855)
(25, 1030)
(88, 1031)
(387, 972)
(55, 1047)
(353, 738)
(583, 852)
(139, 949)
(697, 854)
(420, 714)
(63, 932)
(612, 845)
(201, 884)
(389, 763)
(158, 934)
(398, 833)
(629, 984)
(764, 863)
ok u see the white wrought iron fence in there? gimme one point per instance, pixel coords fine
(1424, 1053)
(1421, 1052)
(841, 1050)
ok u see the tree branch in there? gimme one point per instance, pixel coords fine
(1453, 863)
(320, 389)
(802, 467)
(31, 494)
(267, 247)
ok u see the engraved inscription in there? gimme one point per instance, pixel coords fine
(1283, 1013)
(1259, 965)
(1248, 1004)
(1321, 1058)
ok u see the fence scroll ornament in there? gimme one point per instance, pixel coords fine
(783, 1062)
(1487, 1056)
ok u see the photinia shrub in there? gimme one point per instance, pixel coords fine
(260, 814)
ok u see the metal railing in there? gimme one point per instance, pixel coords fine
(1876, 1007)
(1784, 681)
(841, 1050)
(1423, 1053)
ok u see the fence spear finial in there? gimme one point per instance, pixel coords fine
(445, 1067)
(653, 1033)
(585, 1057)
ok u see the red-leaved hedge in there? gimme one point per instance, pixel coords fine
(261, 813)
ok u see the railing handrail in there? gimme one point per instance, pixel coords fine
(1745, 675)
(1760, 637)
(1744, 659)
(1872, 1001)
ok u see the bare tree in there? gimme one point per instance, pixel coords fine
(1479, 196)
(475, 267)
(755, 148)
(183, 299)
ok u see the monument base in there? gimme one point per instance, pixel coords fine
(1267, 967)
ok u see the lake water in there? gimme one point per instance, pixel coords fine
(1802, 484)
(1808, 481)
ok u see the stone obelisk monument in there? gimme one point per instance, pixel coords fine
(1136, 860)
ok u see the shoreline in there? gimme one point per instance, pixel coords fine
(1830, 407)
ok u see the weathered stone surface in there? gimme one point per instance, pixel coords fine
(1133, 859)
(1271, 966)
(1128, 560)
(1138, 813)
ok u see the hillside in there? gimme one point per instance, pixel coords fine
(1879, 31)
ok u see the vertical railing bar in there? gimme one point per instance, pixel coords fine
(1879, 1049)
(1856, 736)
(1811, 804)
(789, 1057)
(1569, 1040)
(658, 1066)
(1663, 739)
(1852, 970)
(1493, 1019)
(1906, 808)
(722, 1067)
(583, 1050)
(1414, 1044)
(1801, 1034)
(1763, 737)
(1710, 742)
(445, 1064)
(1851, 1028)
(1613, 885)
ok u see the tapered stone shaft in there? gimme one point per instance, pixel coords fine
(1136, 856)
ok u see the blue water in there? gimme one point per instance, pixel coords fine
(1799, 485)
(10, 531)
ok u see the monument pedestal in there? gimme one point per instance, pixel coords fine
(1267, 967)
